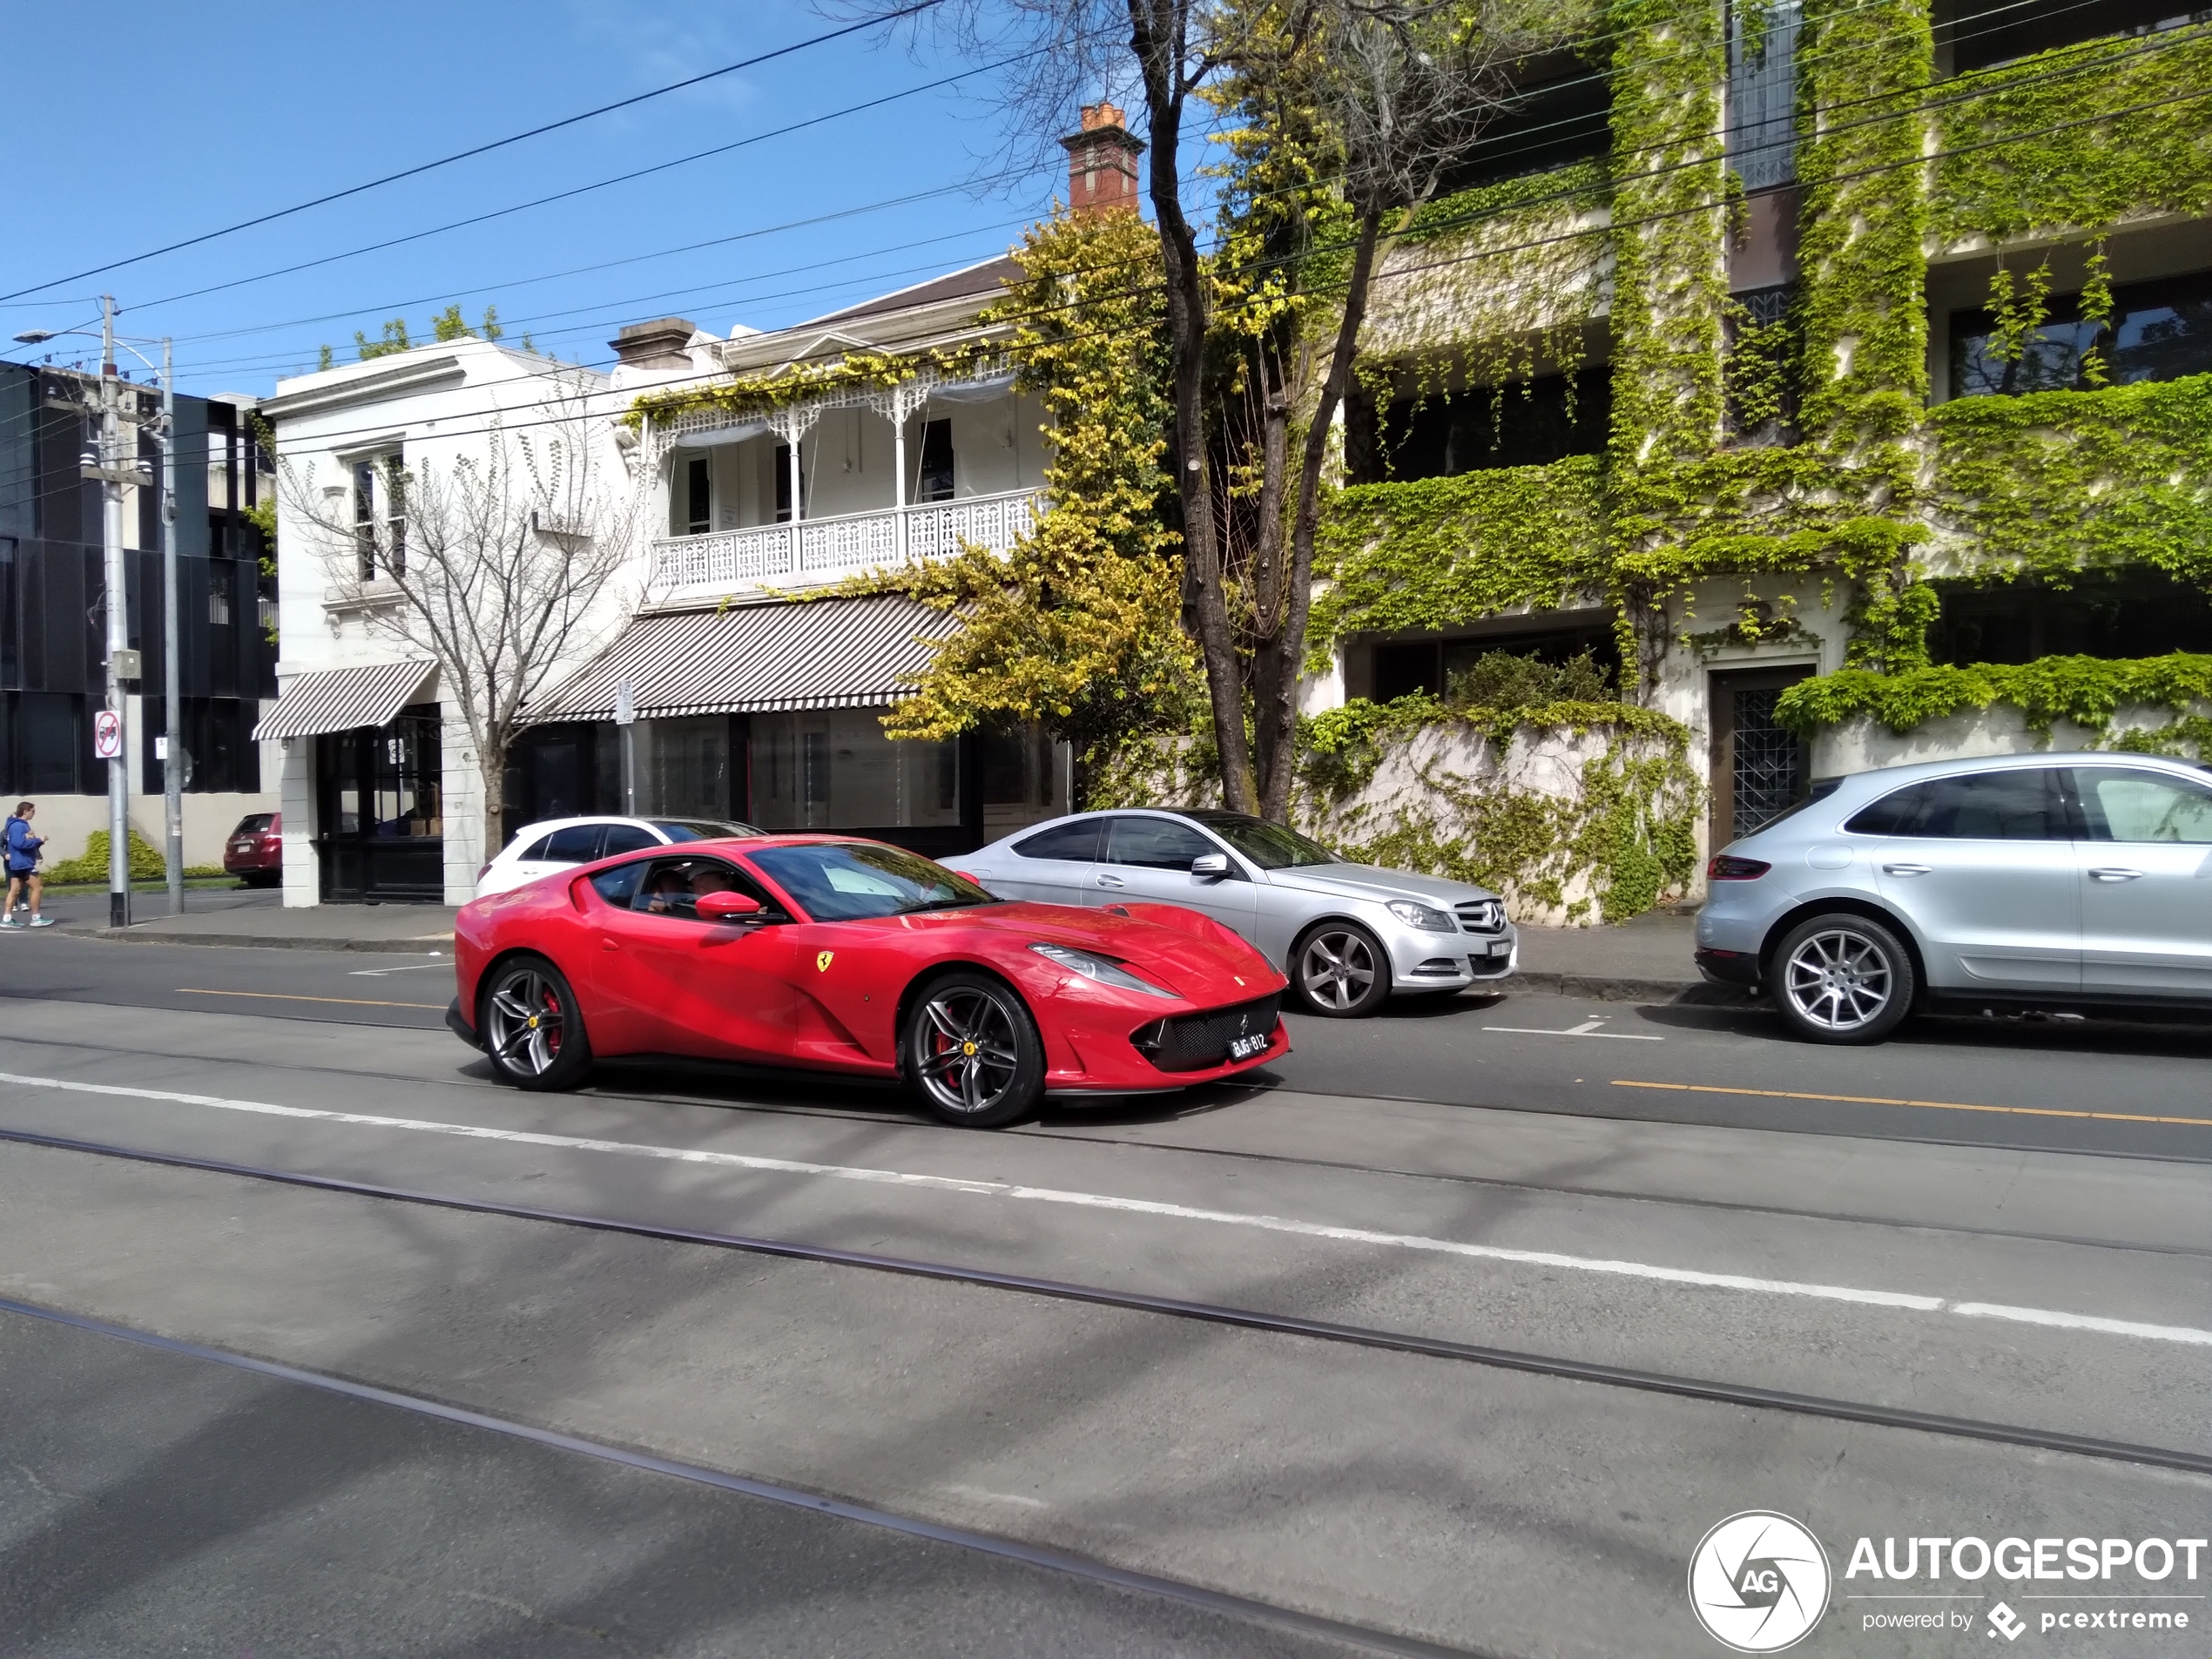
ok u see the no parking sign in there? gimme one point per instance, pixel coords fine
(107, 735)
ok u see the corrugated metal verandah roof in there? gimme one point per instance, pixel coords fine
(758, 659)
(338, 699)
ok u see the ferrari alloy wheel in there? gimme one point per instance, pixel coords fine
(1842, 979)
(1339, 970)
(531, 1027)
(974, 1052)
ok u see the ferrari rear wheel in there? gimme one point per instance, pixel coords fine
(531, 1026)
(974, 1052)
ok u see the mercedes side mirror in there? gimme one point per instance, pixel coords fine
(1211, 864)
(728, 906)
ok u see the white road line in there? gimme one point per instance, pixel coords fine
(409, 967)
(1587, 1029)
(1646, 1271)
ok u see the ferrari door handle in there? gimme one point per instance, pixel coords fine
(2113, 875)
(1111, 882)
(1905, 869)
(609, 944)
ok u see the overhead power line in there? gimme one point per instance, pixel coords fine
(914, 9)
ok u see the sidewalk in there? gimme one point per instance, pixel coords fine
(260, 921)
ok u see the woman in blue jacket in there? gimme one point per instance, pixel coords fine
(23, 867)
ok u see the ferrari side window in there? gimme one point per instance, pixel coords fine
(673, 887)
(619, 886)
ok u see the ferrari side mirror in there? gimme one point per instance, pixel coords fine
(727, 907)
(1210, 864)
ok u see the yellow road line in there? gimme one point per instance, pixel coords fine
(280, 996)
(1932, 1105)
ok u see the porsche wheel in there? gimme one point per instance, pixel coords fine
(1339, 970)
(1842, 979)
(973, 1051)
(531, 1026)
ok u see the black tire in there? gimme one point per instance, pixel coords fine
(1339, 971)
(531, 1027)
(1842, 979)
(972, 1051)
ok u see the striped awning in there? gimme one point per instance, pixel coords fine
(338, 699)
(759, 658)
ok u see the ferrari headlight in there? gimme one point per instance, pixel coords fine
(1425, 917)
(1098, 969)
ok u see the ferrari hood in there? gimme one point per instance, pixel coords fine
(1207, 971)
(1366, 881)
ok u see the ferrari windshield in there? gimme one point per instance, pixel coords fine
(845, 882)
(1269, 846)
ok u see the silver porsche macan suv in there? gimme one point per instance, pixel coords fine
(1349, 936)
(2050, 881)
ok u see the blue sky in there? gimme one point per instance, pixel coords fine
(140, 124)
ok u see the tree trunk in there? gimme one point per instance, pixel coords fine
(1281, 656)
(1155, 35)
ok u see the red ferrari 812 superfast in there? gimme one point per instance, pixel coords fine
(841, 955)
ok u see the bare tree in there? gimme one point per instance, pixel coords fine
(508, 568)
(1400, 89)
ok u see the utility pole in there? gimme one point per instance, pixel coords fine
(172, 764)
(117, 601)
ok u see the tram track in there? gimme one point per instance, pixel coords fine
(1269, 1613)
(1559, 1367)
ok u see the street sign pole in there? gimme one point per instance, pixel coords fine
(117, 601)
(626, 724)
(173, 766)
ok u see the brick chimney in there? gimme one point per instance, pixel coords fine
(1102, 164)
(658, 344)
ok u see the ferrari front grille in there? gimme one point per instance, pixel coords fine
(1197, 1041)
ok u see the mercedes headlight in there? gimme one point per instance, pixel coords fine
(1425, 917)
(1099, 969)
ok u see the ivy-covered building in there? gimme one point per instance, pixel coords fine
(1838, 374)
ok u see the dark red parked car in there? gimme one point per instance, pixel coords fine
(255, 852)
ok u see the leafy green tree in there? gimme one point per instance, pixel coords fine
(1078, 628)
(394, 341)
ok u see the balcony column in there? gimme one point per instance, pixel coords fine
(904, 401)
(793, 425)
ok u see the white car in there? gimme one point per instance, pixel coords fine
(563, 843)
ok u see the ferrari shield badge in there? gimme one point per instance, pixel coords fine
(823, 958)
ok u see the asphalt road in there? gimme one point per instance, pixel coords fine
(1552, 1323)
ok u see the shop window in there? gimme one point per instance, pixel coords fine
(1562, 113)
(933, 478)
(1534, 422)
(2158, 331)
(835, 769)
(687, 766)
(1978, 35)
(2117, 614)
(53, 746)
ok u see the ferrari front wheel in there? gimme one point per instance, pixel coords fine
(974, 1052)
(531, 1027)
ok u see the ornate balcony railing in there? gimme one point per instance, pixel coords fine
(817, 550)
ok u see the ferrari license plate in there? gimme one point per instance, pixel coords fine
(1245, 1048)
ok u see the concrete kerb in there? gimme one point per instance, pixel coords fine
(428, 945)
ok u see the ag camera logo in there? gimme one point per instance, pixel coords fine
(1759, 1581)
